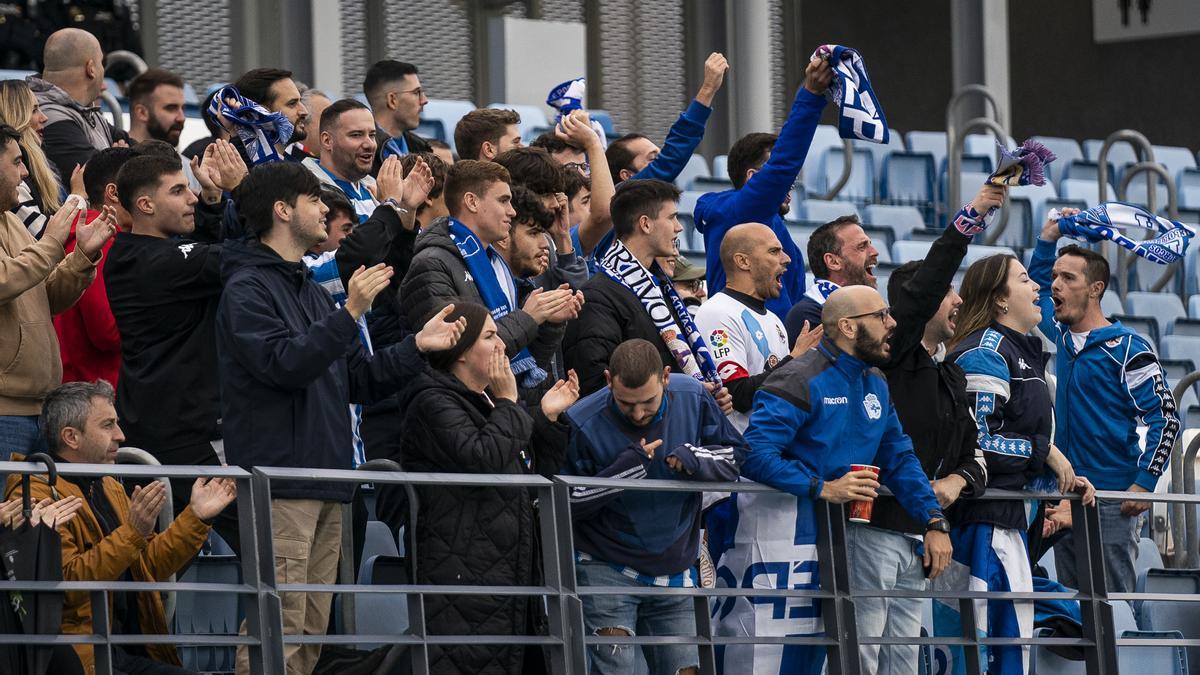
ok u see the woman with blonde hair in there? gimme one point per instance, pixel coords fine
(40, 192)
(1005, 368)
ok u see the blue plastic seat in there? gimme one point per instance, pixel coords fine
(825, 211)
(1164, 660)
(606, 122)
(696, 167)
(687, 201)
(932, 142)
(979, 251)
(1180, 347)
(984, 145)
(1037, 195)
(1187, 326)
(906, 250)
(1084, 169)
(1042, 661)
(448, 112)
(1174, 158)
(1086, 191)
(860, 186)
(901, 219)
(208, 613)
(879, 151)
(382, 613)
(1160, 615)
(1146, 326)
(1110, 304)
(720, 167)
(1066, 150)
(907, 178)
(1019, 231)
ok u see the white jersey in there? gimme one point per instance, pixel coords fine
(744, 340)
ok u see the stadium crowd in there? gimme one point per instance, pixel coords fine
(315, 285)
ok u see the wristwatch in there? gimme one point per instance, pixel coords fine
(391, 201)
(938, 525)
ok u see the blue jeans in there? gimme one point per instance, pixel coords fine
(882, 560)
(19, 433)
(635, 615)
(1119, 537)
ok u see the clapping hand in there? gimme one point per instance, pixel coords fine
(365, 284)
(90, 237)
(807, 339)
(145, 505)
(561, 396)
(438, 334)
(417, 185)
(210, 496)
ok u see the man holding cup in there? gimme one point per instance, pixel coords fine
(823, 426)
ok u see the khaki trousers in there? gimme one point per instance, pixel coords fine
(307, 535)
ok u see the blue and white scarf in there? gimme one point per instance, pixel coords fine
(859, 113)
(1103, 222)
(479, 263)
(820, 290)
(395, 146)
(259, 129)
(691, 355)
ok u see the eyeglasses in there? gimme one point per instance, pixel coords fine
(582, 167)
(419, 91)
(882, 314)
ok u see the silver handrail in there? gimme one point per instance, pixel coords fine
(954, 171)
(1189, 510)
(114, 106)
(1181, 536)
(963, 94)
(1126, 261)
(847, 165)
(1145, 151)
(165, 517)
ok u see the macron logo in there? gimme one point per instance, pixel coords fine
(836, 400)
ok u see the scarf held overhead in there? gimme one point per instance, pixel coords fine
(691, 355)
(259, 129)
(479, 263)
(1103, 222)
(859, 113)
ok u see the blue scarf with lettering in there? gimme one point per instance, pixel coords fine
(1103, 222)
(479, 263)
(859, 113)
(259, 129)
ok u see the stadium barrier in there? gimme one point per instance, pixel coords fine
(566, 640)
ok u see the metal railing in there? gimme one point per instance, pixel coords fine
(566, 640)
(956, 137)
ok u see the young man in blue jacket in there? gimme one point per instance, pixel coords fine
(647, 423)
(763, 168)
(290, 362)
(814, 417)
(1109, 384)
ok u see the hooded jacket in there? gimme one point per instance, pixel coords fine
(289, 363)
(758, 201)
(1013, 414)
(73, 131)
(88, 554)
(37, 280)
(476, 535)
(438, 274)
(1103, 392)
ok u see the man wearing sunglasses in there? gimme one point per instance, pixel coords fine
(814, 418)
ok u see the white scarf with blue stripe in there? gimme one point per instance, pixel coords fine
(259, 129)
(1103, 222)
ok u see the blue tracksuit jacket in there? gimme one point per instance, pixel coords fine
(655, 532)
(1104, 391)
(758, 201)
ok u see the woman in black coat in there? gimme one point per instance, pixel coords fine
(461, 416)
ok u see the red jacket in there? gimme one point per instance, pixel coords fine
(87, 332)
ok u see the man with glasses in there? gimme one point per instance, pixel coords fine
(397, 99)
(813, 419)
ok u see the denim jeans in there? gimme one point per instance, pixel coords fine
(1119, 537)
(637, 615)
(882, 560)
(19, 433)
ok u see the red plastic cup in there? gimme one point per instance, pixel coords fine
(860, 509)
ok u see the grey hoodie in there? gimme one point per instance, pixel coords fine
(73, 131)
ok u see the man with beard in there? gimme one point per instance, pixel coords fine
(275, 90)
(747, 341)
(814, 418)
(763, 168)
(156, 106)
(1109, 383)
(840, 254)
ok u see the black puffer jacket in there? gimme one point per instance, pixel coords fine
(479, 535)
(611, 314)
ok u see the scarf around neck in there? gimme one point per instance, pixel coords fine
(821, 290)
(690, 352)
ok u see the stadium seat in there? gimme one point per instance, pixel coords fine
(432, 129)
(1186, 326)
(984, 144)
(532, 116)
(448, 112)
(860, 185)
(697, 167)
(1066, 150)
(1019, 230)
(1166, 307)
(932, 142)
(1144, 325)
(1164, 660)
(1086, 191)
(379, 541)
(1174, 158)
(1123, 617)
(1042, 661)
(901, 219)
(720, 167)
(382, 613)
(1136, 193)
(879, 151)
(687, 201)
(925, 234)
(974, 172)
(825, 211)
(1160, 615)
(907, 178)
(1194, 306)
(1110, 304)
(1037, 196)
(1174, 370)
(979, 251)
(1120, 153)
(1148, 553)
(1188, 182)
(711, 184)
(1180, 347)
(691, 241)
(1083, 169)
(906, 250)
(208, 613)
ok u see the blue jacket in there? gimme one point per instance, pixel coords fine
(818, 414)
(1104, 391)
(758, 201)
(656, 533)
(682, 140)
(1012, 408)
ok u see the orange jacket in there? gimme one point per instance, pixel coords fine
(88, 555)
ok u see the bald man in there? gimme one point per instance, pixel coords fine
(813, 418)
(748, 341)
(67, 90)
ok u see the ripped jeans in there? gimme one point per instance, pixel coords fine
(635, 615)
